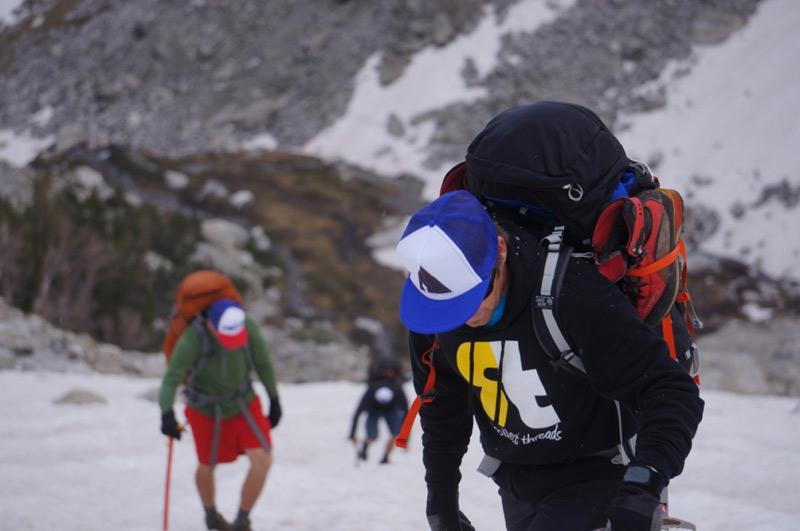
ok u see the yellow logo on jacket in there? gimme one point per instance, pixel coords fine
(479, 364)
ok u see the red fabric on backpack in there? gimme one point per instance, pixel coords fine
(640, 237)
(454, 179)
(637, 243)
(196, 292)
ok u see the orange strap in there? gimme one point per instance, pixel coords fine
(402, 438)
(661, 263)
(669, 337)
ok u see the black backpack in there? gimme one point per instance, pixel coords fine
(556, 169)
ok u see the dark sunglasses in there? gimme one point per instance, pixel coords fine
(491, 284)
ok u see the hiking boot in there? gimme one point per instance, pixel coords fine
(218, 522)
(362, 454)
(242, 525)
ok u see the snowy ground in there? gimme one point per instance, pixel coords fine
(102, 466)
(7, 8)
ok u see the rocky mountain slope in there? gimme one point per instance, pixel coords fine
(193, 83)
(187, 77)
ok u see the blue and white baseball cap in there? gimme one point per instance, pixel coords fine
(228, 320)
(450, 250)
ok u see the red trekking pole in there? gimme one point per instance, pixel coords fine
(169, 473)
(166, 488)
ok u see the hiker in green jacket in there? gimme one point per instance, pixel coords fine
(218, 352)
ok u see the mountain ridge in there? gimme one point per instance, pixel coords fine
(274, 76)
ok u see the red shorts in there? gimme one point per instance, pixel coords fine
(235, 436)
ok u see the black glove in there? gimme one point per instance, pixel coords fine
(460, 523)
(169, 426)
(637, 506)
(274, 411)
(443, 512)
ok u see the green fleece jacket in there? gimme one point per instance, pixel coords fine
(224, 372)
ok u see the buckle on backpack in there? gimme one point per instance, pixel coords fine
(692, 356)
(429, 396)
(544, 302)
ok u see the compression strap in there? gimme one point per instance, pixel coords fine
(427, 396)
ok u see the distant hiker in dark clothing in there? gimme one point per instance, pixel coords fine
(552, 438)
(386, 367)
(384, 398)
(218, 352)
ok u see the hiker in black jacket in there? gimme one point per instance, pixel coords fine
(552, 438)
(383, 399)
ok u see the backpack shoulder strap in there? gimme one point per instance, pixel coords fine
(544, 304)
(197, 398)
(207, 352)
(206, 349)
(427, 395)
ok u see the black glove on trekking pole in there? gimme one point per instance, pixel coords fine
(637, 506)
(169, 426)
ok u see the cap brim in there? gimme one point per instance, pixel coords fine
(429, 316)
(234, 341)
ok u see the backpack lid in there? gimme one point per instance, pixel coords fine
(553, 155)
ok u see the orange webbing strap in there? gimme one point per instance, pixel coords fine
(683, 297)
(686, 299)
(669, 337)
(402, 438)
(661, 263)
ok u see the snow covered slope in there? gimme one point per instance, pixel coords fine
(727, 139)
(102, 466)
